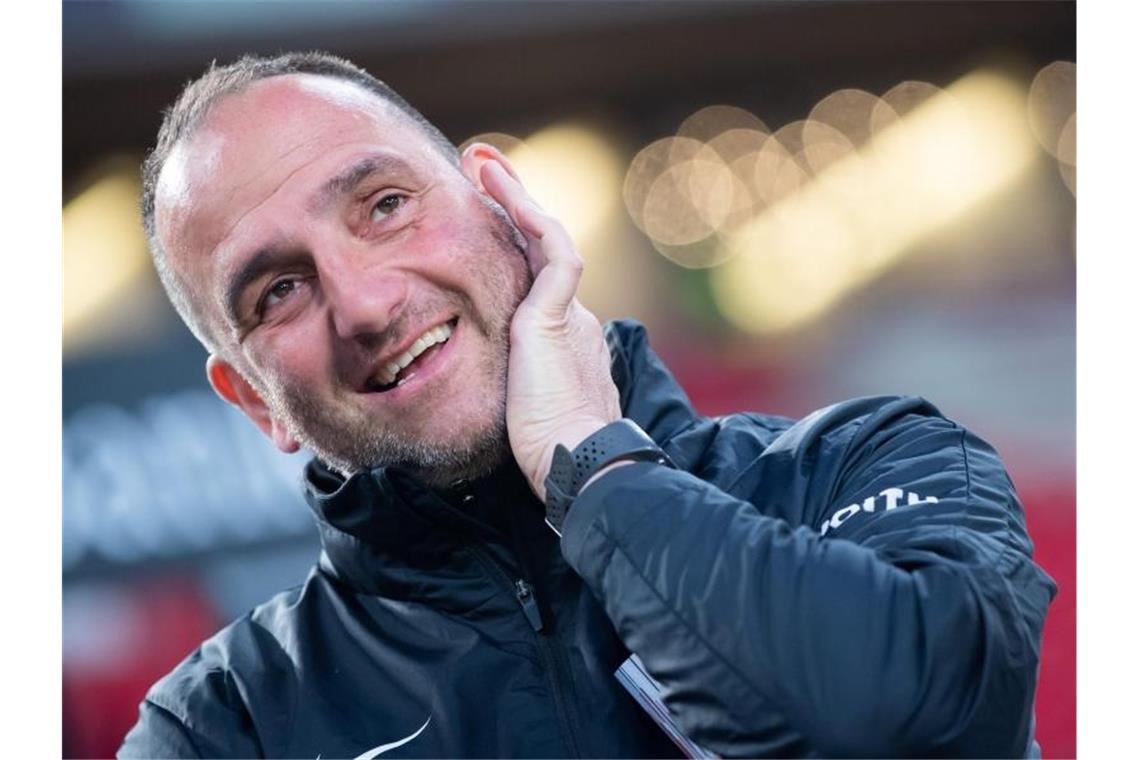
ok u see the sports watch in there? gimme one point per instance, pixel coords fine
(622, 440)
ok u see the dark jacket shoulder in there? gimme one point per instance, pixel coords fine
(202, 708)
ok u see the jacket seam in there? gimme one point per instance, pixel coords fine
(969, 497)
(965, 464)
(1004, 559)
(752, 463)
(180, 724)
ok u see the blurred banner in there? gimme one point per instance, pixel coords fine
(803, 202)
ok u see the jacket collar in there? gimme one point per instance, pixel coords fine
(378, 525)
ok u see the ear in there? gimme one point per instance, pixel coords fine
(475, 156)
(231, 386)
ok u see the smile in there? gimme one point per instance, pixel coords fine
(404, 367)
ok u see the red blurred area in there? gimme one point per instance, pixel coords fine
(128, 637)
(1051, 512)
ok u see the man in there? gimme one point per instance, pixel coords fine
(859, 582)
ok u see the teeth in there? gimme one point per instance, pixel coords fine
(390, 371)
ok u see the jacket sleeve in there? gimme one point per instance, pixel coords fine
(157, 734)
(903, 627)
(195, 711)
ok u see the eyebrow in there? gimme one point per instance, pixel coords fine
(347, 181)
(254, 268)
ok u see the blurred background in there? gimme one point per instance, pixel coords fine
(803, 202)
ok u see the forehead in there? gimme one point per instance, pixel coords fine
(278, 135)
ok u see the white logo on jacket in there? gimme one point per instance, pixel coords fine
(368, 754)
(891, 497)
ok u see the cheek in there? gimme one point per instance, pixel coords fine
(441, 242)
(456, 252)
(469, 249)
(444, 234)
(286, 356)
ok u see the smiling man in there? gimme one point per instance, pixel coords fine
(355, 293)
(858, 582)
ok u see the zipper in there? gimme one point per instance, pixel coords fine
(525, 595)
(547, 652)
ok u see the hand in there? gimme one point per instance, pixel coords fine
(559, 388)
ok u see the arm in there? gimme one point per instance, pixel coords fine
(195, 711)
(157, 734)
(907, 631)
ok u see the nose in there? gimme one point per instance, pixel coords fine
(364, 297)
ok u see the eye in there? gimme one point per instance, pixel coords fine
(388, 206)
(278, 292)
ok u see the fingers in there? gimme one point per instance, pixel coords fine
(551, 253)
(507, 189)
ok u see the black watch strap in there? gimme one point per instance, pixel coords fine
(622, 440)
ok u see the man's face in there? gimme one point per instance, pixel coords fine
(327, 243)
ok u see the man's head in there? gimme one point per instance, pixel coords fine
(316, 233)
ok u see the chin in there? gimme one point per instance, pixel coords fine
(480, 464)
(446, 448)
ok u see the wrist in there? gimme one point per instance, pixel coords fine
(572, 436)
(569, 436)
(603, 471)
(612, 445)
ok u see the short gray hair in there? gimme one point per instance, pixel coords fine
(195, 102)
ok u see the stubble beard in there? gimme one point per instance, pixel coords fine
(350, 441)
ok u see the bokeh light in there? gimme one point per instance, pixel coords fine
(1052, 100)
(812, 245)
(1068, 176)
(711, 121)
(104, 248)
(681, 192)
(824, 145)
(689, 200)
(737, 143)
(573, 172)
(899, 101)
(778, 172)
(689, 192)
(650, 163)
(788, 265)
(1067, 142)
(794, 219)
(849, 111)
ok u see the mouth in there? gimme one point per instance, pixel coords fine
(414, 362)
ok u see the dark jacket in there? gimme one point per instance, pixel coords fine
(859, 582)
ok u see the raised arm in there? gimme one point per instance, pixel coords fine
(891, 624)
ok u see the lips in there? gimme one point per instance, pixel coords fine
(402, 367)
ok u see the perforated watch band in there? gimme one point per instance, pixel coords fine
(618, 441)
